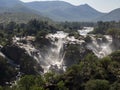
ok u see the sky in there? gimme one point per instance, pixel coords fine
(100, 5)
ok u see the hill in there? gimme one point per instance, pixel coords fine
(111, 16)
(9, 3)
(17, 11)
(63, 11)
(20, 17)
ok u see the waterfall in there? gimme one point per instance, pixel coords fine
(85, 31)
(54, 57)
(100, 48)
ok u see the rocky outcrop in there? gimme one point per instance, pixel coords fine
(75, 53)
(13, 52)
(19, 56)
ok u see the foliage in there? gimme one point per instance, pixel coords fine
(72, 55)
(30, 82)
(86, 71)
(113, 32)
(91, 73)
(107, 28)
(74, 26)
(115, 86)
(75, 34)
(1, 88)
(116, 56)
(41, 40)
(7, 72)
(97, 85)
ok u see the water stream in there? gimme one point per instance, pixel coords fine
(101, 48)
(53, 57)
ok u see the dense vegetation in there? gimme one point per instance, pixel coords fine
(112, 28)
(91, 73)
(36, 28)
(33, 27)
(87, 73)
(73, 26)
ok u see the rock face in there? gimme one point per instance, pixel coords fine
(13, 52)
(19, 57)
(7, 72)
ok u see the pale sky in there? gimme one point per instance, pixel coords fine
(100, 5)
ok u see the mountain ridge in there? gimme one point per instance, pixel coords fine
(114, 15)
(16, 10)
(58, 11)
(63, 11)
(9, 3)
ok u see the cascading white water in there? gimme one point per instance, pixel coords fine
(54, 57)
(101, 49)
(106, 48)
(85, 31)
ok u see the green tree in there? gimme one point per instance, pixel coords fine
(105, 62)
(1, 88)
(27, 82)
(97, 85)
(115, 86)
(114, 32)
(61, 86)
(116, 56)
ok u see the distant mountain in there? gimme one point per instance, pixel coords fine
(9, 3)
(63, 11)
(15, 10)
(14, 6)
(111, 16)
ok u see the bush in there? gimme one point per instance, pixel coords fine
(97, 85)
(115, 86)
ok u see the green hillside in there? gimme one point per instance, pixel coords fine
(19, 17)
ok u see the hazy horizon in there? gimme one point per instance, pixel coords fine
(100, 5)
